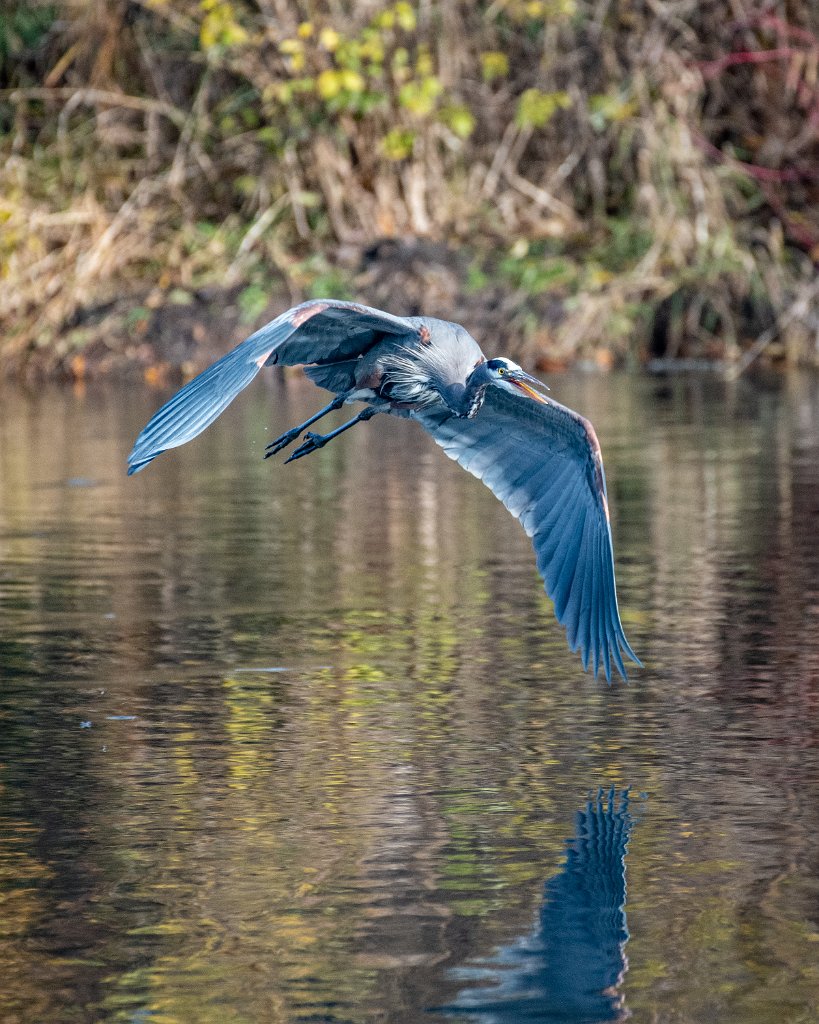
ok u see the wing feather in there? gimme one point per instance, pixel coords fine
(553, 517)
(597, 612)
(321, 331)
(614, 628)
(566, 593)
(543, 462)
(583, 639)
(583, 611)
(542, 509)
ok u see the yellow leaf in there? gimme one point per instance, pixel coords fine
(405, 16)
(352, 81)
(494, 64)
(329, 84)
(290, 46)
(219, 26)
(294, 49)
(424, 63)
(329, 39)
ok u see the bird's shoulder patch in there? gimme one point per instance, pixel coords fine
(424, 335)
(597, 460)
(301, 314)
(372, 380)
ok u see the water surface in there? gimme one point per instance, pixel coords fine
(305, 743)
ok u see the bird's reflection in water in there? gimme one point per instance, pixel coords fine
(570, 966)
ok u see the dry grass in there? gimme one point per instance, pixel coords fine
(620, 179)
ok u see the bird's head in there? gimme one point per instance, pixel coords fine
(505, 374)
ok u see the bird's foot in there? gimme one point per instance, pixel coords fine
(288, 437)
(311, 443)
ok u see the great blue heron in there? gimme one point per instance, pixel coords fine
(542, 460)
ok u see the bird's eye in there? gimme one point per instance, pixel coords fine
(501, 371)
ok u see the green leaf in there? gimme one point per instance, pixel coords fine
(460, 119)
(494, 64)
(397, 144)
(536, 108)
(419, 96)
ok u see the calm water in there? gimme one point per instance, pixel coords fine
(305, 743)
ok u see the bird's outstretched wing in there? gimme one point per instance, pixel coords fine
(543, 461)
(315, 332)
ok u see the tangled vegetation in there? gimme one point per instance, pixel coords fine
(592, 179)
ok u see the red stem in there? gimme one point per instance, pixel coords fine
(781, 27)
(709, 68)
(800, 234)
(769, 174)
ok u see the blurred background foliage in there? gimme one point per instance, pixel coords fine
(601, 180)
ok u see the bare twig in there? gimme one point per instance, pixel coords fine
(90, 262)
(490, 183)
(797, 309)
(97, 97)
(176, 175)
(253, 234)
(539, 195)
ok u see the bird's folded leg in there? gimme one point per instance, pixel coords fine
(290, 435)
(312, 442)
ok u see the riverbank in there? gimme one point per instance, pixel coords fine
(576, 182)
(165, 335)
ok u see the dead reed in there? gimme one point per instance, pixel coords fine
(619, 179)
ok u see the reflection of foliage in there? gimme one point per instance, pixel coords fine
(254, 843)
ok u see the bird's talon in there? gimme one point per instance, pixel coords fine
(281, 442)
(311, 443)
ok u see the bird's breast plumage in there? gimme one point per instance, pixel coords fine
(475, 404)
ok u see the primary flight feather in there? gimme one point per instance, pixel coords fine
(542, 460)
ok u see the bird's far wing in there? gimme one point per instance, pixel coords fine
(543, 462)
(321, 331)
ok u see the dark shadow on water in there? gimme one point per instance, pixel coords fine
(570, 966)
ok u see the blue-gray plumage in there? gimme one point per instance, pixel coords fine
(569, 967)
(542, 460)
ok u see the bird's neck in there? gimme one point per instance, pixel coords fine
(464, 400)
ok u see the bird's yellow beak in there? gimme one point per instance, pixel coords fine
(525, 382)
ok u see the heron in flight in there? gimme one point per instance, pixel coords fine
(542, 460)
